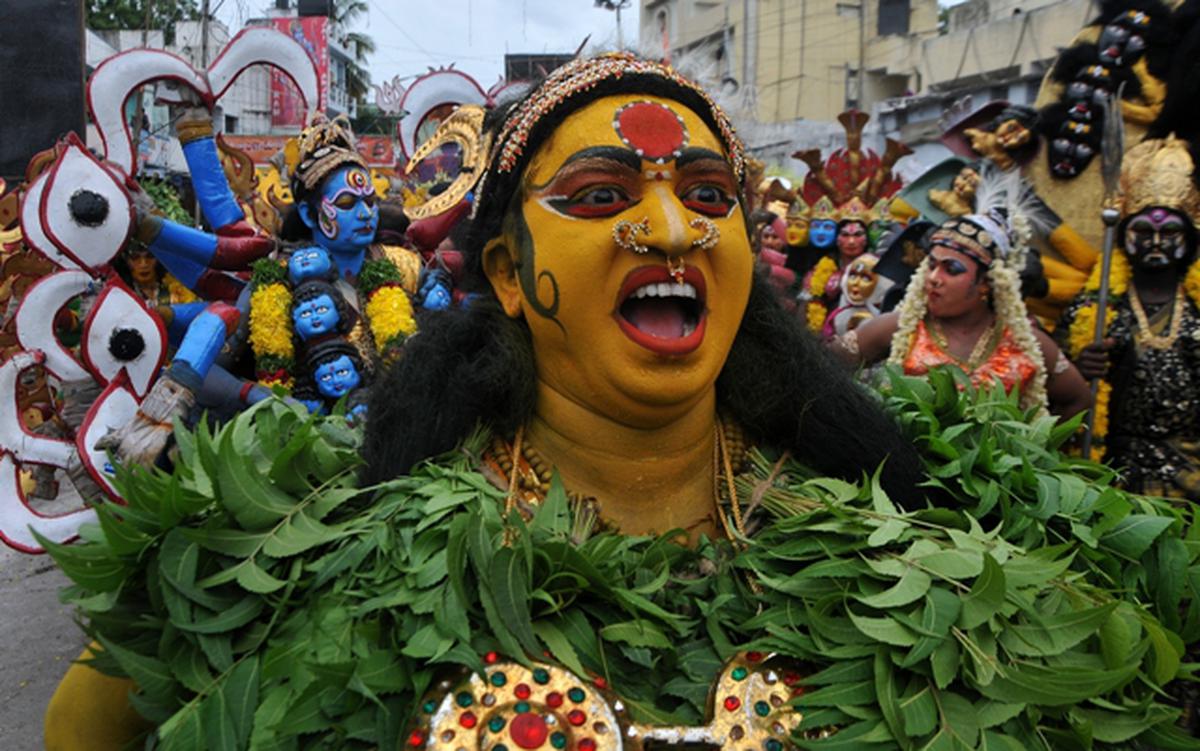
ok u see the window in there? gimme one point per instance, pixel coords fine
(231, 124)
(893, 17)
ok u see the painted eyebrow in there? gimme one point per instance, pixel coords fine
(625, 157)
(695, 154)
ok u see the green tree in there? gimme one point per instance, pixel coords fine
(360, 45)
(131, 14)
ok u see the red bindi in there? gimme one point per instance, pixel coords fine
(653, 130)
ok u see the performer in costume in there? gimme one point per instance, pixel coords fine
(963, 307)
(846, 193)
(1147, 416)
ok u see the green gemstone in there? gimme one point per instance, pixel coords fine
(558, 740)
(502, 747)
(496, 724)
(576, 695)
(429, 707)
(541, 675)
(521, 707)
(739, 674)
(762, 708)
(464, 699)
(498, 679)
(774, 745)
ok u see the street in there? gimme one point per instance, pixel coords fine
(40, 640)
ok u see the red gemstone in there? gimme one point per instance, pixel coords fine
(791, 679)
(527, 730)
(416, 739)
(522, 691)
(491, 658)
(600, 683)
(468, 720)
(576, 717)
(554, 700)
(754, 656)
(732, 703)
(587, 744)
(798, 691)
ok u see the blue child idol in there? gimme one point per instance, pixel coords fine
(312, 262)
(315, 317)
(343, 217)
(337, 377)
(434, 293)
(822, 233)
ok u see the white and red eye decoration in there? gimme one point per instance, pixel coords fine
(32, 228)
(36, 316)
(84, 210)
(118, 76)
(22, 447)
(121, 335)
(655, 131)
(116, 406)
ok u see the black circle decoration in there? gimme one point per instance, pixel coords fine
(88, 208)
(126, 345)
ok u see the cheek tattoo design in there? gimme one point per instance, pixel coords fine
(327, 219)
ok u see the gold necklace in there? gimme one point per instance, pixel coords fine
(1144, 336)
(528, 474)
(983, 345)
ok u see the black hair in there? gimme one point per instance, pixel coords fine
(475, 366)
(328, 351)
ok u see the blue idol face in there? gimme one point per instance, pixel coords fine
(347, 216)
(436, 298)
(315, 317)
(336, 378)
(309, 263)
(822, 233)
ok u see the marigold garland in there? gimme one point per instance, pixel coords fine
(816, 312)
(389, 314)
(271, 325)
(178, 293)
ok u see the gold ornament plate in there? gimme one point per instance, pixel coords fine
(511, 707)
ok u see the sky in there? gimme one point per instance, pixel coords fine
(411, 35)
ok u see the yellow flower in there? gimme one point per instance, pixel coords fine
(1191, 283)
(389, 314)
(820, 277)
(816, 314)
(271, 321)
(1100, 427)
(178, 293)
(272, 381)
(1118, 275)
(1083, 328)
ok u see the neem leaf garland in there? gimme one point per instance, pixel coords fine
(260, 599)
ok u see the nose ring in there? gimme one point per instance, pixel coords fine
(625, 234)
(711, 236)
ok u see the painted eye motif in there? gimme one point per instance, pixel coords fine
(86, 212)
(121, 335)
(594, 202)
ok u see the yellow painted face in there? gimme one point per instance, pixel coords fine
(797, 230)
(627, 190)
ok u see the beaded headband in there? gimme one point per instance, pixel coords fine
(582, 74)
(979, 237)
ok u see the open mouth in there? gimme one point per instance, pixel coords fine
(660, 314)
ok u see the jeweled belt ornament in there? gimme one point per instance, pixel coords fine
(511, 707)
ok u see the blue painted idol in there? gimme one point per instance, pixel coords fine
(822, 233)
(315, 317)
(343, 216)
(337, 377)
(312, 262)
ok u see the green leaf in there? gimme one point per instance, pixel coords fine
(885, 630)
(1053, 635)
(637, 634)
(253, 578)
(986, 595)
(885, 695)
(1134, 534)
(559, 645)
(919, 711)
(911, 587)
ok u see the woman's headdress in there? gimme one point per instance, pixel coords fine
(322, 147)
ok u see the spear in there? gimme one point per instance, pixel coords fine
(1112, 146)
